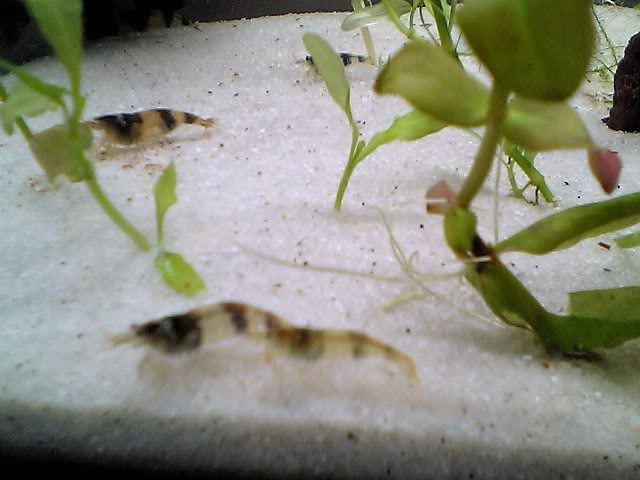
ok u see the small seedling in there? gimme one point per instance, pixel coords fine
(412, 126)
(60, 150)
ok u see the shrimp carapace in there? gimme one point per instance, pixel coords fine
(188, 331)
(147, 125)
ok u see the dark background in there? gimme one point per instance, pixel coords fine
(21, 42)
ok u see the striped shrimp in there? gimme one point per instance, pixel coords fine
(189, 331)
(131, 129)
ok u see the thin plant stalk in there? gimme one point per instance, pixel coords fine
(117, 218)
(366, 35)
(484, 158)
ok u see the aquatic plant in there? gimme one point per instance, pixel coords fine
(526, 105)
(60, 150)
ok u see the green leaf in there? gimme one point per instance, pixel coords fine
(54, 150)
(373, 14)
(412, 126)
(164, 192)
(621, 302)
(53, 92)
(460, 228)
(178, 274)
(564, 229)
(60, 21)
(24, 102)
(542, 126)
(330, 68)
(631, 240)
(434, 83)
(574, 334)
(537, 48)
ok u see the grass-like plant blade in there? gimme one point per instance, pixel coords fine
(524, 160)
(544, 126)
(564, 229)
(434, 83)
(623, 302)
(60, 21)
(575, 334)
(330, 68)
(23, 102)
(412, 126)
(526, 45)
(54, 150)
(164, 193)
(53, 92)
(178, 274)
(631, 240)
(372, 14)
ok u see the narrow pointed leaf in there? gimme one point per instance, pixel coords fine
(539, 49)
(434, 83)
(542, 126)
(164, 193)
(23, 102)
(575, 334)
(60, 21)
(628, 241)
(621, 302)
(525, 160)
(178, 274)
(53, 92)
(565, 229)
(372, 14)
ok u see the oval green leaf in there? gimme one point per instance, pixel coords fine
(330, 68)
(537, 48)
(434, 83)
(543, 126)
(565, 229)
(178, 274)
(460, 228)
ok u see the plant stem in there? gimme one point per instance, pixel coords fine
(351, 165)
(444, 31)
(393, 16)
(115, 215)
(484, 158)
(366, 35)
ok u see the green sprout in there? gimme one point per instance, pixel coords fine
(175, 270)
(60, 150)
(416, 126)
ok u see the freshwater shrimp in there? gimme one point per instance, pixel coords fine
(191, 330)
(137, 128)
